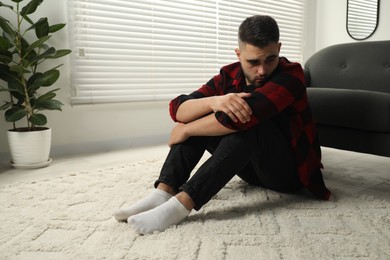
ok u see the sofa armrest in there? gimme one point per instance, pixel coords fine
(307, 77)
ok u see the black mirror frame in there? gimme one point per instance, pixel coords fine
(373, 31)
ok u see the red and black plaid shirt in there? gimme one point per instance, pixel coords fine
(282, 99)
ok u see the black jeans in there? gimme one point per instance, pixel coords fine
(260, 156)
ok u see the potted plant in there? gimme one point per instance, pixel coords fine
(24, 50)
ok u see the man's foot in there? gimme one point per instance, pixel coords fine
(156, 198)
(160, 218)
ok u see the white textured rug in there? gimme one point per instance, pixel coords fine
(69, 217)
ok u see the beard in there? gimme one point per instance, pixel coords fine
(255, 81)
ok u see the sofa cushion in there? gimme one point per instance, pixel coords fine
(360, 109)
(359, 65)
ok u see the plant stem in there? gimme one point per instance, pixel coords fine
(19, 46)
(12, 101)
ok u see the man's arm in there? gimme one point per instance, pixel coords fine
(232, 104)
(193, 109)
(205, 126)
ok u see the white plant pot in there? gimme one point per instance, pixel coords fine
(30, 149)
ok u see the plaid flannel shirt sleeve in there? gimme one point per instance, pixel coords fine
(285, 87)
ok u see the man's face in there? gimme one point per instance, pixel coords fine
(258, 63)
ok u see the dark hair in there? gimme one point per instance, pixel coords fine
(259, 31)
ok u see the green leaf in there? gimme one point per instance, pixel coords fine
(38, 119)
(46, 79)
(18, 69)
(4, 43)
(37, 23)
(15, 114)
(6, 105)
(42, 28)
(8, 6)
(60, 53)
(49, 104)
(34, 83)
(17, 1)
(47, 96)
(4, 24)
(50, 77)
(56, 67)
(5, 56)
(37, 43)
(18, 98)
(28, 56)
(28, 19)
(25, 46)
(56, 27)
(7, 74)
(46, 55)
(9, 37)
(16, 86)
(30, 7)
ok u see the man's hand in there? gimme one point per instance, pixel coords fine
(178, 134)
(233, 105)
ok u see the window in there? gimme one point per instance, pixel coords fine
(157, 49)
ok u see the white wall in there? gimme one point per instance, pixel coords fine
(97, 128)
(331, 26)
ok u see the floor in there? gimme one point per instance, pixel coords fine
(67, 215)
(358, 164)
(62, 165)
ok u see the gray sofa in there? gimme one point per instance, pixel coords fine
(348, 87)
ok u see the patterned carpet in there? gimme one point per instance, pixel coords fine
(69, 217)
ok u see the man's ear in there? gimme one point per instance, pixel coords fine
(279, 46)
(237, 51)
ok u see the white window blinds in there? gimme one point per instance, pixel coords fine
(157, 49)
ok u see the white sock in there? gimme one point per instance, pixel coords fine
(160, 218)
(156, 198)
